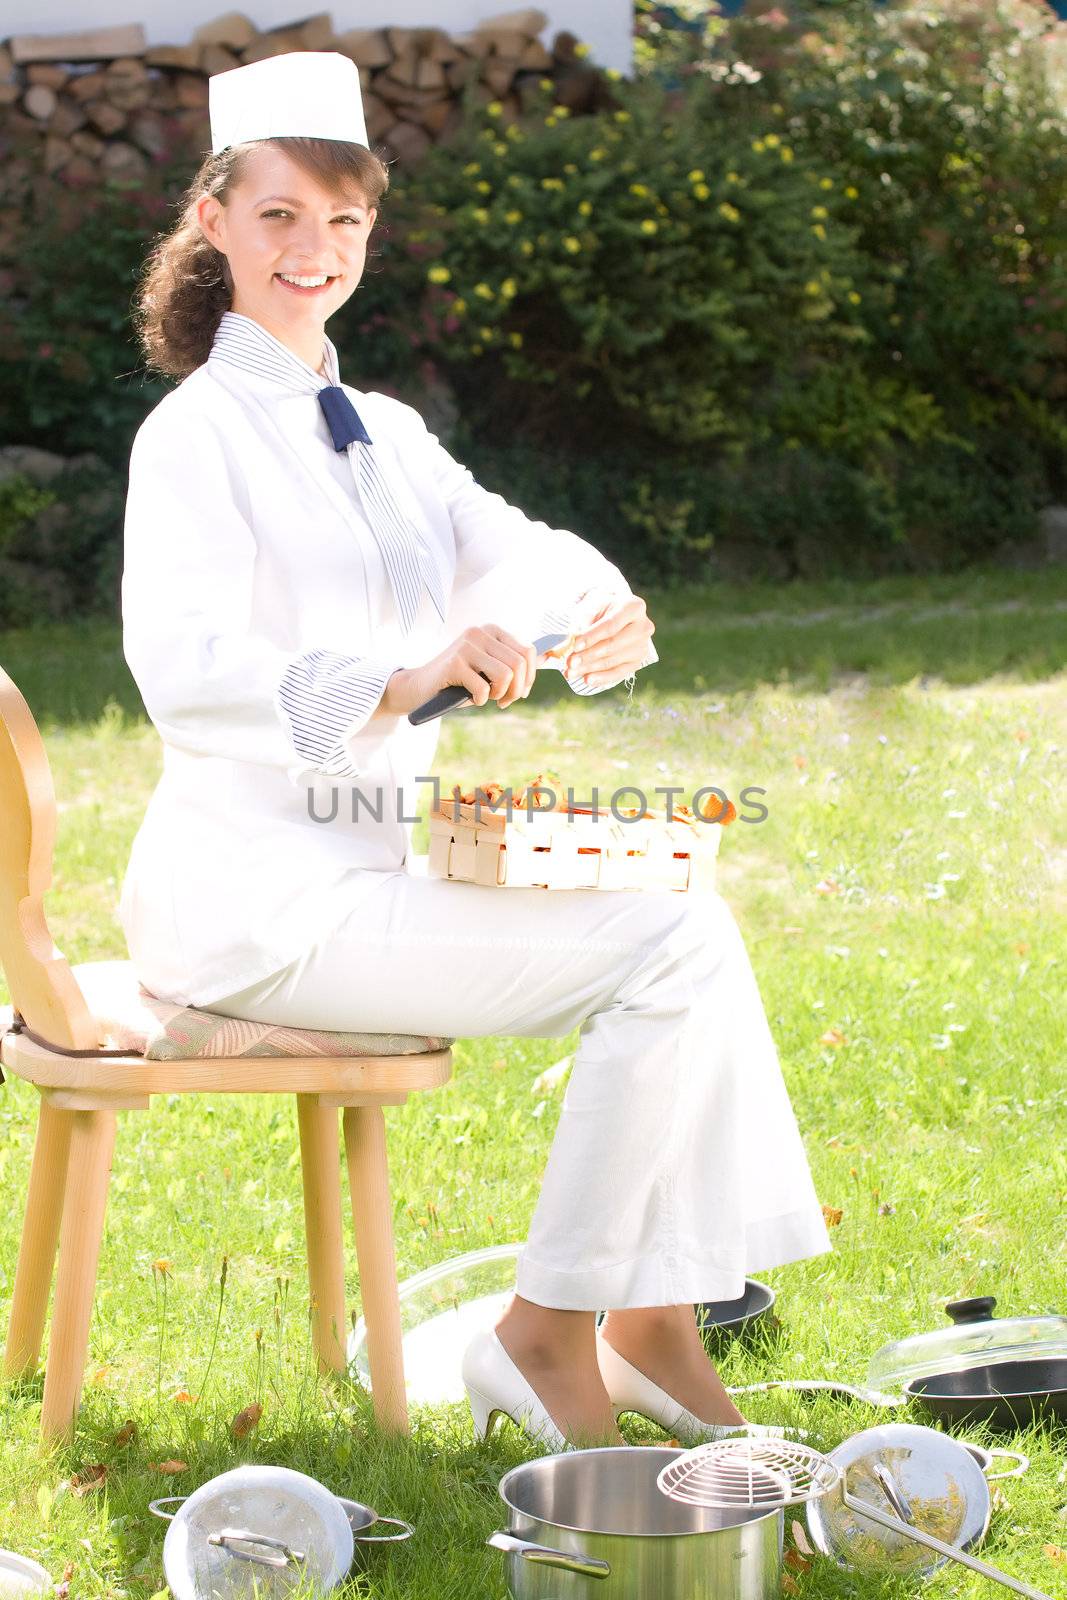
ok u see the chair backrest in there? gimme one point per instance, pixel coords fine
(43, 988)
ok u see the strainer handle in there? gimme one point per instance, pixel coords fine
(873, 1514)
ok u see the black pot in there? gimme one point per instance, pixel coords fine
(726, 1319)
(1007, 1394)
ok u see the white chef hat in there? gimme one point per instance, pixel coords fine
(315, 93)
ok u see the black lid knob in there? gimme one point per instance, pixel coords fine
(977, 1310)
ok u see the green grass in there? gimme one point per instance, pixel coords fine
(906, 890)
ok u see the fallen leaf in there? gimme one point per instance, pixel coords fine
(789, 1584)
(102, 1375)
(796, 1562)
(246, 1420)
(827, 886)
(832, 1215)
(169, 1469)
(1055, 1552)
(87, 1479)
(127, 1433)
(184, 1398)
(800, 1538)
(833, 1036)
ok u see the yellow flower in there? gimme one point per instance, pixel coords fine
(701, 191)
(597, 154)
(585, 207)
(638, 188)
(650, 225)
(552, 183)
(622, 116)
(581, 49)
(486, 333)
(813, 286)
(613, 73)
(476, 349)
(546, 83)
(480, 214)
(483, 291)
(471, 168)
(854, 297)
(459, 307)
(853, 194)
(512, 132)
(526, 247)
(570, 167)
(561, 111)
(550, 122)
(786, 153)
(730, 212)
(483, 187)
(572, 244)
(439, 275)
(500, 149)
(819, 211)
(516, 340)
(733, 177)
(494, 108)
(512, 216)
(826, 183)
(696, 176)
(508, 288)
(771, 140)
(819, 231)
(758, 145)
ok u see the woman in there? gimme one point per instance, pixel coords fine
(300, 573)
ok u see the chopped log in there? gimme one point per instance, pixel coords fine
(57, 152)
(67, 118)
(367, 47)
(89, 85)
(9, 93)
(7, 66)
(184, 56)
(378, 116)
(499, 74)
(507, 44)
(430, 74)
(104, 117)
(266, 45)
(45, 73)
(234, 31)
(190, 91)
(535, 58)
(96, 44)
(121, 160)
(127, 67)
(400, 94)
(530, 22)
(435, 116)
(40, 102)
(147, 132)
(404, 69)
(81, 173)
(87, 144)
(475, 44)
(577, 88)
(217, 58)
(129, 94)
(316, 32)
(407, 142)
(460, 73)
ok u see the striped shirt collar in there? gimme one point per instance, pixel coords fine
(242, 342)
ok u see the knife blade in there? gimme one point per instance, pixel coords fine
(455, 695)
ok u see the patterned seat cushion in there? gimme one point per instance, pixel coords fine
(134, 1020)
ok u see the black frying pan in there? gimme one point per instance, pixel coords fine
(1006, 1394)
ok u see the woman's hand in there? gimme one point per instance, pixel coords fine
(615, 641)
(489, 662)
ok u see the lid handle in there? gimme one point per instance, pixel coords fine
(228, 1539)
(978, 1310)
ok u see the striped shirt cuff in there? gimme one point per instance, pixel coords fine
(561, 620)
(325, 698)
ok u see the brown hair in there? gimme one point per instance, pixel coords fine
(186, 284)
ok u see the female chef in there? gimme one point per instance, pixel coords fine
(304, 565)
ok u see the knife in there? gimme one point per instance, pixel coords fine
(454, 694)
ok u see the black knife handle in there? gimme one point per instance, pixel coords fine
(446, 699)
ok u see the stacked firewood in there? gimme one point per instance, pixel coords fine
(105, 103)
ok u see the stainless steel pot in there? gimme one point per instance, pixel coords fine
(593, 1522)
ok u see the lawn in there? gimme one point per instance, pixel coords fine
(903, 904)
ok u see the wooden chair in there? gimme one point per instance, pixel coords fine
(57, 1044)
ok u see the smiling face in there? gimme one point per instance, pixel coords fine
(278, 221)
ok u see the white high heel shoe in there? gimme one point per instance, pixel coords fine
(495, 1388)
(630, 1390)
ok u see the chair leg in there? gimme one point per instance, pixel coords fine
(40, 1239)
(92, 1142)
(372, 1219)
(322, 1225)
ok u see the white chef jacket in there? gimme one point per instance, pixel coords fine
(250, 569)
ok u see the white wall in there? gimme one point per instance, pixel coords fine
(605, 25)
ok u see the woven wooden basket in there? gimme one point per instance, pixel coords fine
(580, 849)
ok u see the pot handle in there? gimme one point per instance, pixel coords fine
(544, 1556)
(1022, 1464)
(168, 1500)
(387, 1538)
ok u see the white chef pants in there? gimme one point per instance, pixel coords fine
(677, 1167)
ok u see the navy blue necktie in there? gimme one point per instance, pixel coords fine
(342, 417)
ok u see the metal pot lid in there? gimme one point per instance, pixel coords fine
(19, 1575)
(257, 1530)
(940, 1482)
(975, 1339)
